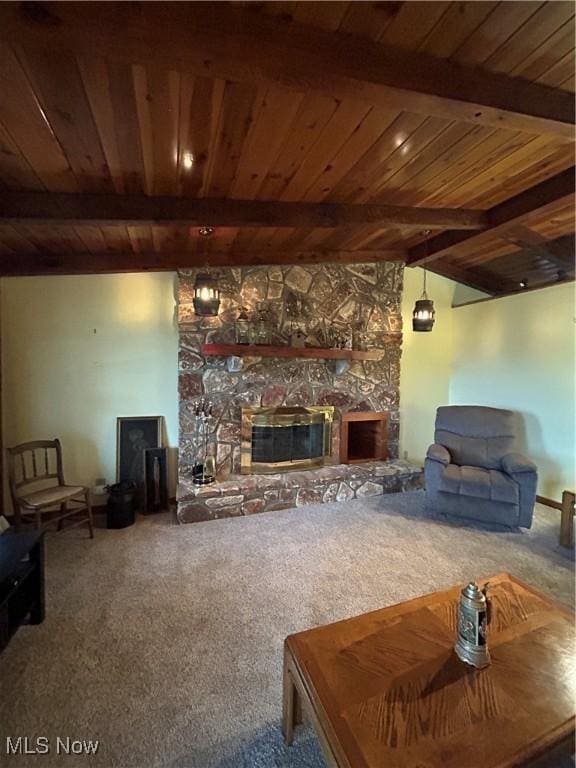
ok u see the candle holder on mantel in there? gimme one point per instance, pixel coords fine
(339, 338)
(243, 327)
(263, 324)
(204, 471)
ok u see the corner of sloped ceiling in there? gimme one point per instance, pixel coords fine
(464, 294)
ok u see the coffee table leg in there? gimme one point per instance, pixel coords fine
(567, 519)
(292, 706)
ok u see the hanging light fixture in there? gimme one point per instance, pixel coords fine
(206, 295)
(423, 314)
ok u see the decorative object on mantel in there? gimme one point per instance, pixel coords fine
(472, 626)
(262, 328)
(340, 338)
(242, 328)
(296, 312)
(423, 314)
(206, 299)
(204, 467)
(298, 339)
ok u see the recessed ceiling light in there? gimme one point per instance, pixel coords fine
(187, 160)
(523, 283)
(206, 231)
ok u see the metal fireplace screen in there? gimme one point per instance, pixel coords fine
(277, 439)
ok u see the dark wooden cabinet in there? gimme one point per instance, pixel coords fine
(21, 581)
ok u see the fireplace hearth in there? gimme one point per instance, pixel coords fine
(283, 438)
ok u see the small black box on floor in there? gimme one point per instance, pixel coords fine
(120, 510)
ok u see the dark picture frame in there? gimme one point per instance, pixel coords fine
(134, 435)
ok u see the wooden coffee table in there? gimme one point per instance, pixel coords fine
(385, 689)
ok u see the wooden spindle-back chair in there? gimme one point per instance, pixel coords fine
(32, 469)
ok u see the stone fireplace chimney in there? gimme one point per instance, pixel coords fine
(364, 299)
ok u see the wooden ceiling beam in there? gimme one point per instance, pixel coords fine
(476, 278)
(42, 263)
(559, 252)
(236, 44)
(541, 199)
(516, 291)
(53, 208)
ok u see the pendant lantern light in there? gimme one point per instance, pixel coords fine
(206, 296)
(424, 314)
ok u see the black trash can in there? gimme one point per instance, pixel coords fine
(121, 508)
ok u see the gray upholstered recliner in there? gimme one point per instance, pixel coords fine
(472, 470)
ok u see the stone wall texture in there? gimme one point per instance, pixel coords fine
(360, 296)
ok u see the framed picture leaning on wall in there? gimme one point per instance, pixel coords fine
(134, 435)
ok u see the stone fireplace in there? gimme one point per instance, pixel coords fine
(363, 298)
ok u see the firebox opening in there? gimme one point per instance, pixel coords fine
(287, 442)
(363, 439)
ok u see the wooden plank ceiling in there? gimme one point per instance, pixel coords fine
(359, 131)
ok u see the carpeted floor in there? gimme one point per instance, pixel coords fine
(164, 642)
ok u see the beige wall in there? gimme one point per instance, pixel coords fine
(518, 353)
(80, 351)
(426, 363)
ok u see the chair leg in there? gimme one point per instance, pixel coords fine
(89, 509)
(63, 510)
(38, 520)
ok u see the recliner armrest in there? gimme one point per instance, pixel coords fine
(438, 453)
(516, 463)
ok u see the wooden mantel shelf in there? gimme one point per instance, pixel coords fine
(257, 350)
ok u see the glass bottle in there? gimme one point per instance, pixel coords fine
(262, 326)
(243, 327)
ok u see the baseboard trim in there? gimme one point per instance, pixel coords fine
(549, 502)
